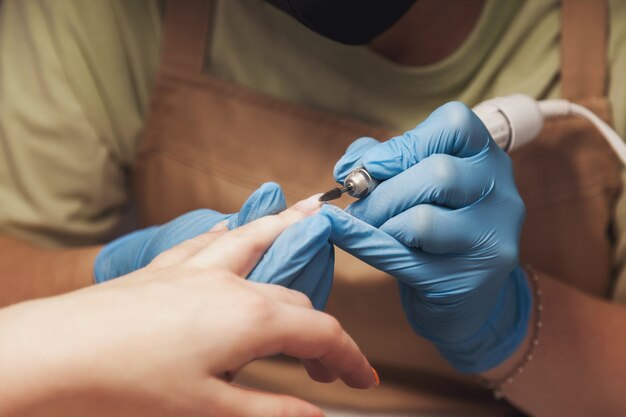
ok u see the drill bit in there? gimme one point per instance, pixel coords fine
(334, 194)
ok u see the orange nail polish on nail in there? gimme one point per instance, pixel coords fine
(376, 378)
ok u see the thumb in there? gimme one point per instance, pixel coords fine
(301, 248)
(268, 199)
(352, 158)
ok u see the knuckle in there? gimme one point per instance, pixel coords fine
(250, 243)
(361, 145)
(257, 249)
(260, 307)
(444, 171)
(333, 328)
(301, 299)
(458, 115)
(423, 222)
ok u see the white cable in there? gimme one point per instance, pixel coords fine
(560, 107)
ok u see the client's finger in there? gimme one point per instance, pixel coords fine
(189, 248)
(318, 371)
(284, 295)
(239, 250)
(237, 401)
(308, 334)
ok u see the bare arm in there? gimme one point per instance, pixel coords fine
(579, 366)
(31, 272)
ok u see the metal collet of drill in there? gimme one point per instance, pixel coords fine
(358, 184)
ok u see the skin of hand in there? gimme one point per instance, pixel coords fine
(166, 340)
(445, 221)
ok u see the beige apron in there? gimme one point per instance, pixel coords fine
(210, 143)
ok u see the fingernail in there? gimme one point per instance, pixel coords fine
(220, 227)
(376, 378)
(310, 205)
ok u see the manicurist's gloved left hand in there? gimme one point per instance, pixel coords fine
(445, 222)
(301, 258)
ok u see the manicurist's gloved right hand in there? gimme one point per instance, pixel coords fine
(445, 222)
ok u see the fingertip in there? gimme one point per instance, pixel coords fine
(274, 195)
(361, 145)
(270, 185)
(376, 377)
(386, 160)
(266, 200)
(318, 372)
(351, 159)
(343, 168)
(468, 134)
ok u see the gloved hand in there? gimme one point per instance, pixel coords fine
(445, 222)
(300, 259)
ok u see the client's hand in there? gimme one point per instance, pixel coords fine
(166, 340)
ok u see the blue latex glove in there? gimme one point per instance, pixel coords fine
(445, 222)
(301, 258)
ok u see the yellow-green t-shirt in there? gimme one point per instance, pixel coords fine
(75, 78)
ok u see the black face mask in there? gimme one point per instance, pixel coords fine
(353, 22)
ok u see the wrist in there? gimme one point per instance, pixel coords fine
(501, 336)
(505, 373)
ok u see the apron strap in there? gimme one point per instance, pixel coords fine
(584, 48)
(187, 32)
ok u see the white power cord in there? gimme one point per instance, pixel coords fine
(516, 120)
(559, 107)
